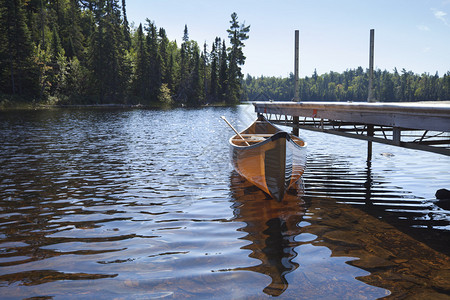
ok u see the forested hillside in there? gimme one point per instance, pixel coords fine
(351, 85)
(84, 52)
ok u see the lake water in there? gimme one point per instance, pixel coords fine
(139, 204)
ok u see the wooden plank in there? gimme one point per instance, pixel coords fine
(413, 115)
(423, 107)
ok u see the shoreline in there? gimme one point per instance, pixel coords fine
(39, 106)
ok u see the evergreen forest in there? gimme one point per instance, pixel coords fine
(351, 85)
(84, 52)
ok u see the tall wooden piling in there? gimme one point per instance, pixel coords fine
(295, 119)
(371, 98)
(296, 67)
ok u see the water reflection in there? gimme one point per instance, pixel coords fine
(420, 218)
(271, 228)
(290, 252)
(357, 214)
(44, 276)
(325, 246)
(279, 254)
(394, 261)
(137, 204)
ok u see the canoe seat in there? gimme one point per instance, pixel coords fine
(257, 134)
(254, 139)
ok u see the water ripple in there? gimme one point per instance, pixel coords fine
(140, 203)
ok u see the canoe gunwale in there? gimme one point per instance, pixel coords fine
(264, 162)
(280, 134)
(272, 138)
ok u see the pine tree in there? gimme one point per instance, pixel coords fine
(214, 85)
(142, 66)
(56, 48)
(73, 38)
(185, 64)
(237, 34)
(4, 78)
(172, 67)
(154, 79)
(163, 49)
(195, 90)
(223, 74)
(126, 27)
(204, 72)
(387, 87)
(108, 55)
(17, 67)
(445, 87)
(185, 34)
(56, 66)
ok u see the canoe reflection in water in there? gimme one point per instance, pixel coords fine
(271, 227)
(325, 248)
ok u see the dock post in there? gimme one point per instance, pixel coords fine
(295, 119)
(370, 133)
(396, 136)
(371, 98)
(296, 64)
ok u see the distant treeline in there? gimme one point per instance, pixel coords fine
(84, 52)
(351, 85)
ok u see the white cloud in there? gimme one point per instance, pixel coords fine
(423, 27)
(441, 15)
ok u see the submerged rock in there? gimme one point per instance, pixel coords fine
(387, 154)
(444, 198)
(443, 194)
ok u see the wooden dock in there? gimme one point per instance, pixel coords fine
(415, 125)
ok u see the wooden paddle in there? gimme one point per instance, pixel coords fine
(239, 135)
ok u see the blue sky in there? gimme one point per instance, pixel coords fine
(334, 35)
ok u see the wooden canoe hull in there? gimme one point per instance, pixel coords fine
(275, 163)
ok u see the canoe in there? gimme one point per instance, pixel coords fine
(269, 158)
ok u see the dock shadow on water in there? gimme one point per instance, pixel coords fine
(389, 233)
(109, 204)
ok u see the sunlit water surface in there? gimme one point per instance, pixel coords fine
(139, 204)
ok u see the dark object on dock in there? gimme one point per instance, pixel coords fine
(444, 198)
(269, 157)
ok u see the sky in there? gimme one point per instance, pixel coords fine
(334, 34)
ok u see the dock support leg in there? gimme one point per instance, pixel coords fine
(369, 151)
(368, 183)
(396, 136)
(296, 122)
(370, 133)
